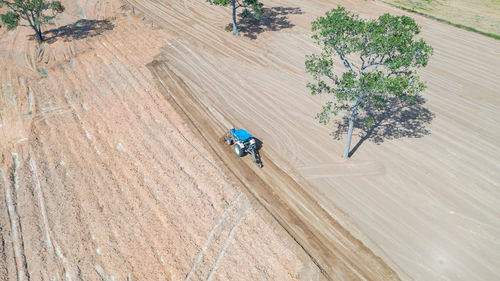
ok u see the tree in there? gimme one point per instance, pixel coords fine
(35, 12)
(379, 58)
(252, 8)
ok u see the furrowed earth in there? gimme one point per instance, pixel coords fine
(113, 165)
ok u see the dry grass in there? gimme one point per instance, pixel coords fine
(482, 15)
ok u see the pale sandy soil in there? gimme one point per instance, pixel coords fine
(101, 179)
(425, 195)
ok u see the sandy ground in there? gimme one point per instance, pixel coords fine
(101, 179)
(426, 192)
(338, 252)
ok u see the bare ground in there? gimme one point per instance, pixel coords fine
(100, 178)
(422, 188)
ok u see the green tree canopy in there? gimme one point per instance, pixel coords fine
(35, 12)
(251, 8)
(379, 58)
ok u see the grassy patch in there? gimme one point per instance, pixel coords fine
(462, 26)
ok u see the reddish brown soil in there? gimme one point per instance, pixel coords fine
(100, 178)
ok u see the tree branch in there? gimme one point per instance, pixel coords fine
(344, 60)
(362, 63)
(329, 75)
(11, 7)
(396, 72)
(239, 5)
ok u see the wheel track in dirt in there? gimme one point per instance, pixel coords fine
(52, 245)
(11, 198)
(241, 207)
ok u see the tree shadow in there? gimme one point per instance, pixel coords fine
(78, 30)
(400, 119)
(273, 19)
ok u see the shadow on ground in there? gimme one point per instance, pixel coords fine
(258, 147)
(80, 29)
(273, 19)
(400, 120)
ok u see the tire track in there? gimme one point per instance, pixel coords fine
(50, 242)
(241, 207)
(242, 213)
(216, 230)
(15, 222)
(87, 134)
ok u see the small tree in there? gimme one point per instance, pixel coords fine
(35, 12)
(252, 8)
(379, 58)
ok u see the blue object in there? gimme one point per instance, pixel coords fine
(241, 135)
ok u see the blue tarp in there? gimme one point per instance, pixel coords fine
(241, 134)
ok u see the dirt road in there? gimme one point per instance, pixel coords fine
(425, 194)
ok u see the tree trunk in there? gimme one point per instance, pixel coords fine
(39, 34)
(235, 28)
(351, 127)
